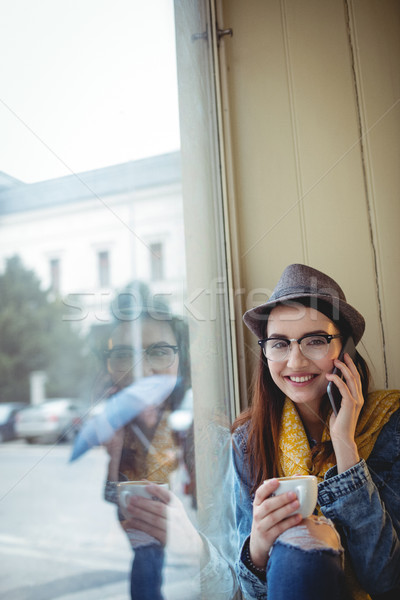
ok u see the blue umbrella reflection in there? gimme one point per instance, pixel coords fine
(122, 408)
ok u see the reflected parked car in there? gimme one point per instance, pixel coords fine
(8, 412)
(55, 420)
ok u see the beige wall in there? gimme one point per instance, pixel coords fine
(312, 104)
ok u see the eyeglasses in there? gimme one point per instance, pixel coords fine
(312, 346)
(159, 356)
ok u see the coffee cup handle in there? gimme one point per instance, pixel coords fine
(300, 496)
(123, 498)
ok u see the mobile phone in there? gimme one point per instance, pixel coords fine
(334, 394)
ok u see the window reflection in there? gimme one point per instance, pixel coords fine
(55, 268)
(153, 344)
(94, 304)
(103, 258)
(156, 261)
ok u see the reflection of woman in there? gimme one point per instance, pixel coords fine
(151, 344)
(290, 429)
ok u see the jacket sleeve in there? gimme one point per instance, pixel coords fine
(252, 587)
(364, 502)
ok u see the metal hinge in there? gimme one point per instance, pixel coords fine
(220, 34)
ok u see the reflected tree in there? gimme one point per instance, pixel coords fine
(35, 337)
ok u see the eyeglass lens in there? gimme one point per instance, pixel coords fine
(159, 357)
(313, 347)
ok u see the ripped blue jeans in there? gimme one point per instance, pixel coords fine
(303, 567)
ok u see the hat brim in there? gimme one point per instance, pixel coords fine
(256, 318)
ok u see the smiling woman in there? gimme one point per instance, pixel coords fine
(290, 429)
(300, 370)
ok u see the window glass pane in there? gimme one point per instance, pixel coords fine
(115, 361)
(55, 275)
(156, 261)
(104, 269)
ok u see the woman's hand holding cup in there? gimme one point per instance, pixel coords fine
(273, 513)
(158, 512)
(144, 504)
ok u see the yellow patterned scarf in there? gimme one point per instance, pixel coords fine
(295, 452)
(154, 459)
(294, 447)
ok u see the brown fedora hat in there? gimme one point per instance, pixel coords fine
(300, 282)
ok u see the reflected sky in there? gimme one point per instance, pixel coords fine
(85, 84)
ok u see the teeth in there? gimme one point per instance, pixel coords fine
(301, 379)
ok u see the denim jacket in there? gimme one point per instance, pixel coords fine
(363, 502)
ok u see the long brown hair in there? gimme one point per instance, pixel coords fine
(263, 419)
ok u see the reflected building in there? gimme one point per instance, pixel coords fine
(89, 234)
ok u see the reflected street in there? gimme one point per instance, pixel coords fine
(59, 538)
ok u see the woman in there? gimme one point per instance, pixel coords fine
(147, 344)
(290, 429)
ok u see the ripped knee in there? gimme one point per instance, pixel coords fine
(313, 533)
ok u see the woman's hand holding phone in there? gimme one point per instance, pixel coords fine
(343, 424)
(333, 390)
(270, 519)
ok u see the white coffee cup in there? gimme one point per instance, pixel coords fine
(306, 489)
(128, 489)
